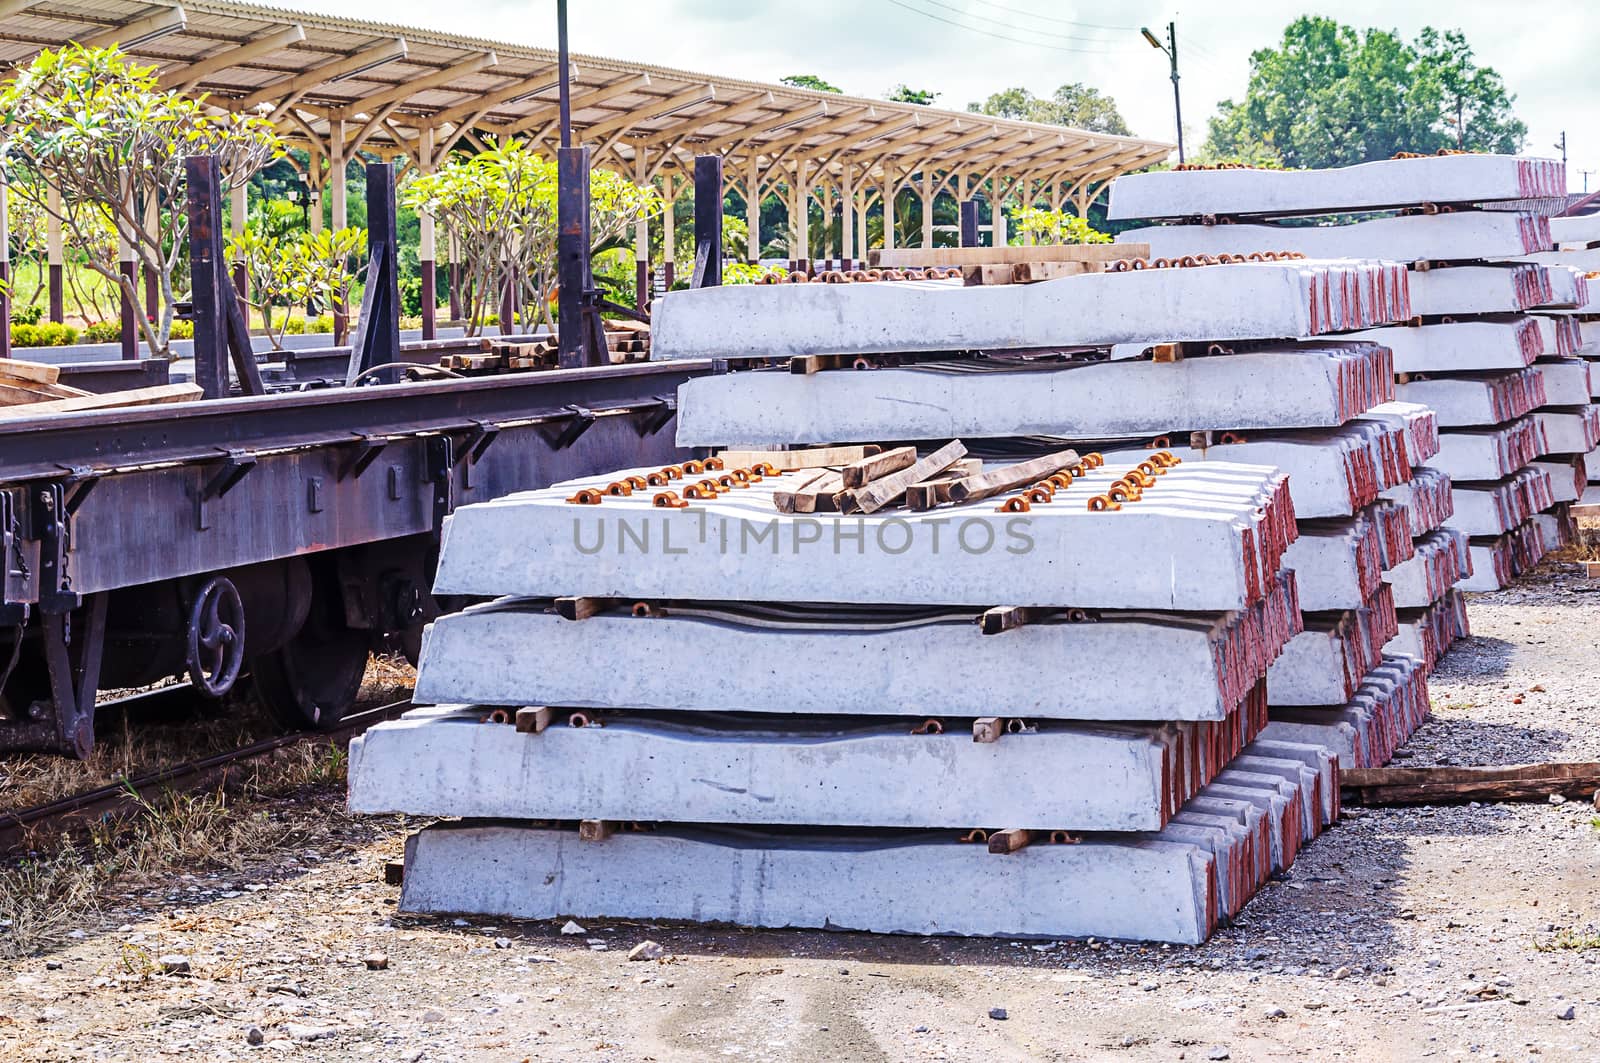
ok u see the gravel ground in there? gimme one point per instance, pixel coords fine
(1403, 934)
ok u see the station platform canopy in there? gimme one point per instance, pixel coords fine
(335, 86)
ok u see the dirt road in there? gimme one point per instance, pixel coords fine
(1410, 934)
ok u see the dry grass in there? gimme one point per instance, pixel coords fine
(1585, 545)
(62, 881)
(132, 750)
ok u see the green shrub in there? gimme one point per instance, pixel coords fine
(295, 326)
(320, 323)
(103, 332)
(48, 334)
(27, 315)
(183, 330)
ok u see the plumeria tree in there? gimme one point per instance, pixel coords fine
(1054, 227)
(101, 130)
(297, 269)
(501, 206)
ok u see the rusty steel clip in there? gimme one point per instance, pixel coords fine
(586, 497)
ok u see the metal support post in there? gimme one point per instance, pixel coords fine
(377, 338)
(572, 255)
(220, 330)
(969, 223)
(707, 221)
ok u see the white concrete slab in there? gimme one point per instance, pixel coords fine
(1338, 564)
(1421, 426)
(1491, 509)
(1388, 183)
(1568, 476)
(754, 771)
(1494, 453)
(1326, 663)
(920, 661)
(1496, 562)
(1389, 706)
(1333, 472)
(1428, 499)
(1462, 346)
(1580, 231)
(1223, 528)
(1427, 634)
(1439, 563)
(1469, 400)
(1567, 381)
(1569, 288)
(1312, 388)
(1573, 430)
(1166, 886)
(1505, 288)
(1259, 300)
(1467, 236)
(1555, 528)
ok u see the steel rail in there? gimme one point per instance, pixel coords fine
(126, 795)
(103, 441)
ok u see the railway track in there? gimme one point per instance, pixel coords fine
(126, 795)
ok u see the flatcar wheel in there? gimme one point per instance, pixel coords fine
(313, 679)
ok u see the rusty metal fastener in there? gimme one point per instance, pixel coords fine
(1102, 503)
(699, 493)
(764, 468)
(672, 472)
(694, 467)
(1062, 480)
(728, 483)
(976, 834)
(1014, 504)
(1062, 837)
(497, 716)
(714, 464)
(618, 489)
(656, 479)
(638, 483)
(578, 719)
(586, 497)
(1040, 494)
(668, 500)
(929, 727)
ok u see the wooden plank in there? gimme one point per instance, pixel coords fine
(1009, 841)
(583, 608)
(1006, 618)
(1457, 785)
(790, 460)
(533, 719)
(1034, 272)
(902, 257)
(151, 396)
(595, 830)
(936, 490)
(1023, 473)
(786, 499)
(863, 471)
(880, 493)
(985, 274)
(32, 372)
(1591, 569)
(817, 496)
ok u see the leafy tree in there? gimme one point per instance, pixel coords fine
(1054, 227)
(1476, 105)
(903, 93)
(501, 204)
(103, 131)
(1331, 95)
(810, 81)
(306, 269)
(1076, 105)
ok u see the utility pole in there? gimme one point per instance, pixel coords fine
(1171, 48)
(1586, 174)
(1562, 144)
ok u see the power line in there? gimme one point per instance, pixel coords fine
(963, 12)
(1052, 18)
(1001, 36)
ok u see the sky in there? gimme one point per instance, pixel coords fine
(967, 49)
